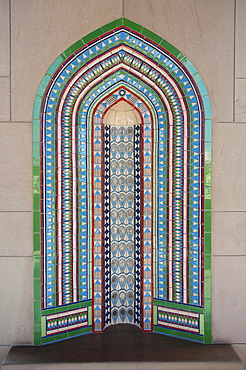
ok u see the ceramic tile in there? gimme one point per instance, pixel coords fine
(113, 188)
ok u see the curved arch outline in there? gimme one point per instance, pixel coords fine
(60, 65)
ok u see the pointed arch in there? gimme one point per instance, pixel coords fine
(173, 144)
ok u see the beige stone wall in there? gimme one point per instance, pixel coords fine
(212, 34)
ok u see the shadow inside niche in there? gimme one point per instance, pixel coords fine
(121, 343)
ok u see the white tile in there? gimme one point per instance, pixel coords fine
(41, 31)
(5, 99)
(240, 100)
(16, 166)
(16, 303)
(229, 233)
(203, 33)
(229, 299)
(240, 67)
(16, 237)
(228, 170)
(4, 38)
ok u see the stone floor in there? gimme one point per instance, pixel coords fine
(123, 347)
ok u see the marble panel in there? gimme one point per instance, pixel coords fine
(16, 234)
(240, 47)
(46, 29)
(16, 166)
(240, 100)
(228, 170)
(229, 299)
(229, 233)
(16, 304)
(5, 99)
(4, 38)
(200, 30)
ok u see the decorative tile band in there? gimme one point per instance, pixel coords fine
(70, 320)
(177, 319)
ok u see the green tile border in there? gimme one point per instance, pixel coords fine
(178, 306)
(36, 159)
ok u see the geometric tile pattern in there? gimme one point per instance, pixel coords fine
(64, 321)
(177, 319)
(170, 156)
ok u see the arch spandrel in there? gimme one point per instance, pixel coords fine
(122, 77)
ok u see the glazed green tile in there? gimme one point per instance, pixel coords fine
(207, 194)
(43, 85)
(37, 265)
(181, 334)
(49, 311)
(208, 130)
(207, 203)
(207, 287)
(37, 289)
(37, 330)
(207, 107)
(207, 221)
(36, 240)
(37, 311)
(196, 337)
(37, 108)
(132, 25)
(159, 329)
(50, 339)
(208, 176)
(207, 264)
(151, 35)
(169, 47)
(36, 130)
(112, 25)
(76, 46)
(36, 153)
(37, 334)
(207, 332)
(91, 36)
(36, 222)
(36, 170)
(208, 310)
(207, 243)
(36, 202)
(59, 60)
(201, 329)
(36, 270)
(61, 336)
(208, 153)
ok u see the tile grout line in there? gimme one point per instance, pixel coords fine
(234, 66)
(10, 63)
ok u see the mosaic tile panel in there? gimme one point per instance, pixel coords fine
(76, 214)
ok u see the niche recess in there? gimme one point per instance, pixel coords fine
(122, 189)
